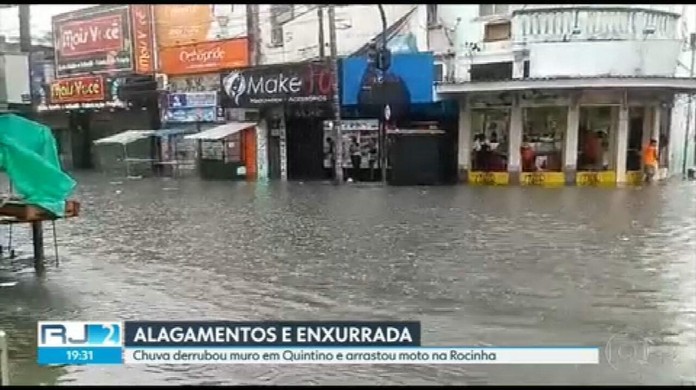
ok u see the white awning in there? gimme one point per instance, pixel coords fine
(222, 131)
(125, 137)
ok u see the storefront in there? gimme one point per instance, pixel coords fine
(583, 132)
(83, 109)
(291, 101)
(191, 103)
(94, 89)
(399, 100)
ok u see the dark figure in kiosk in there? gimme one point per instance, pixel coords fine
(355, 157)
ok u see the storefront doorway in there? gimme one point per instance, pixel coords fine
(597, 145)
(305, 148)
(541, 153)
(490, 131)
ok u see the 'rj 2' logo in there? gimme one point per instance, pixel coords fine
(79, 333)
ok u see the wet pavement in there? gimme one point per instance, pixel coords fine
(489, 266)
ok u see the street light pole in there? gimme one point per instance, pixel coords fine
(383, 159)
(338, 135)
(690, 108)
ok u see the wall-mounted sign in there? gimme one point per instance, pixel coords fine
(77, 90)
(204, 57)
(192, 100)
(293, 83)
(192, 107)
(354, 125)
(88, 92)
(93, 40)
(141, 20)
(194, 83)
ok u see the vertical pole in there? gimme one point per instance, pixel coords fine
(320, 16)
(338, 134)
(689, 108)
(37, 235)
(4, 364)
(24, 28)
(384, 142)
(621, 145)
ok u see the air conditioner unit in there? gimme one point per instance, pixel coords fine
(162, 82)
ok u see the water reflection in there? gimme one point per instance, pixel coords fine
(495, 266)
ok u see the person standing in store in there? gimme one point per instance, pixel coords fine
(355, 157)
(650, 160)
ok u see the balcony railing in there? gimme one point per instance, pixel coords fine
(592, 23)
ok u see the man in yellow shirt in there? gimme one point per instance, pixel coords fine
(650, 161)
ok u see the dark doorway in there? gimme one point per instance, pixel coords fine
(635, 139)
(305, 148)
(81, 139)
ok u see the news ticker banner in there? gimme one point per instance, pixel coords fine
(223, 342)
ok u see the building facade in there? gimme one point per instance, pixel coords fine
(99, 79)
(562, 94)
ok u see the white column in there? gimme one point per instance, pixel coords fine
(570, 154)
(464, 141)
(622, 142)
(262, 150)
(647, 125)
(657, 119)
(515, 143)
(518, 63)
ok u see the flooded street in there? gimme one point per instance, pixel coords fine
(489, 266)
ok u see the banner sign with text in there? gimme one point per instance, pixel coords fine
(143, 51)
(309, 82)
(82, 93)
(192, 107)
(93, 40)
(204, 57)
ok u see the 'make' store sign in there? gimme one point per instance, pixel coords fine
(308, 82)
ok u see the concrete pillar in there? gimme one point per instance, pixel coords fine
(656, 122)
(621, 142)
(518, 64)
(647, 125)
(262, 150)
(516, 125)
(464, 141)
(570, 152)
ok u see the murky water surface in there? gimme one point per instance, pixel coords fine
(489, 266)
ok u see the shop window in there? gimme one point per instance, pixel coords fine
(542, 139)
(494, 32)
(212, 150)
(490, 132)
(493, 9)
(597, 129)
(491, 71)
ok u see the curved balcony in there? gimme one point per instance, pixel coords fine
(590, 23)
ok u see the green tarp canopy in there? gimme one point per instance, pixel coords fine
(28, 155)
